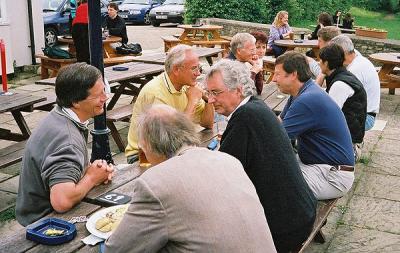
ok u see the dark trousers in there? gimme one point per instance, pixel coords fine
(277, 50)
(292, 241)
(80, 35)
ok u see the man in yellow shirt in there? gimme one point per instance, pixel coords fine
(175, 87)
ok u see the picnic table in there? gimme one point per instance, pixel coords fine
(109, 52)
(16, 103)
(292, 44)
(159, 57)
(388, 78)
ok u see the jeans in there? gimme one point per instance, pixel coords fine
(369, 122)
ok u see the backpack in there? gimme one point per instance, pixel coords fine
(57, 53)
(132, 48)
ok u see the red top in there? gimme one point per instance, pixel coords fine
(82, 16)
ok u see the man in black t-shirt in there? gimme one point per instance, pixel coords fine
(115, 24)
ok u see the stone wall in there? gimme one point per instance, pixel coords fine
(365, 45)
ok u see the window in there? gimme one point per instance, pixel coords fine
(3, 16)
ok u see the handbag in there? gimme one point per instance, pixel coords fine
(57, 53)
(132, 48)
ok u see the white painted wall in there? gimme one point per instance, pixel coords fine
(14, 30)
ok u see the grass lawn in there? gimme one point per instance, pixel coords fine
(379, 20)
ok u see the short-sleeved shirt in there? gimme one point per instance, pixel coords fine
(319, 126)
(160, 90)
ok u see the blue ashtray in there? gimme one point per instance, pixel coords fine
(120, 68)
(51, 231)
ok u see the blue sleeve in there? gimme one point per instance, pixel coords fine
(298, 119)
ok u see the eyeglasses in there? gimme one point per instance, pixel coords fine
(213, 93)
(98, 97)
(196, 69)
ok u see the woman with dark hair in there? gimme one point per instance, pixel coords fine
(261, 48)
(80, 32)
(348, 21)
(336, 18)
(324, 19)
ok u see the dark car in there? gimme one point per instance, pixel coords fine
(171, 11)
(137, 11)
(56, 18)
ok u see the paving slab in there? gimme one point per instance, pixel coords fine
(350, 239)
(7, 200)
(392, 133)
(384, 163)
(373, 213)
(11, 185)
(388, 146)
(4, 176)
(379, 186)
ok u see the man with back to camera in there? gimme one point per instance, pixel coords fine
(177, 87)
(325, 151)
(56, 173)
(192, 199)
(255, 137)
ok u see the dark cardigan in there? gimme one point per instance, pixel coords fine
(255, 137)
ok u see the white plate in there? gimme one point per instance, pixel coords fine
(91, 222)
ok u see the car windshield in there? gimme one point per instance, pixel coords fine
(51, 5)
(174, 2)
(136, 2)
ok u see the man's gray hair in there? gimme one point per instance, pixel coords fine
(165, 130)
(234, 74)
(176, 56)
(239, 39)
(345, 42)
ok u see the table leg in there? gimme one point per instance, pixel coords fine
(383, 75)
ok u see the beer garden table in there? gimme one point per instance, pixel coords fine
(292, 44)
(386, 76)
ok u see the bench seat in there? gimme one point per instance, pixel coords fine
(12, 154)
(118, 60)
(47, 63)
(122, 113)
(169, 42)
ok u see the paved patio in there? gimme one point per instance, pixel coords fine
(367, 219)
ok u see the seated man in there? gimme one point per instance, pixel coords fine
(175, 87)
(115, 24)
(56, 173)
(192, 199)
(365, 71)
(311, 117)
(243, 49)
(346, 90)
(255, 137)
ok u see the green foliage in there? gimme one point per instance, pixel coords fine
(250, 10)
(391, 6)
(8, 214)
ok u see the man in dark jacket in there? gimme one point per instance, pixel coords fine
(255, 137)
(346, 90)
(115, 24)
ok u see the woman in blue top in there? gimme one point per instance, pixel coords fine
(279, 30)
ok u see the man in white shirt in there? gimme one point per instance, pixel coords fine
(365, 71)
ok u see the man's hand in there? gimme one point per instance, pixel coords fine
(99, 171)
(194, 95)
(255, 66)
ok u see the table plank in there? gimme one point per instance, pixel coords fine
(17, 101)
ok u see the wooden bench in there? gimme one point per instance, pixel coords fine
(118, 60)
(46, 105)
(47, 63)
(323, 210)
(12, 154)
(122, 113)
(228, 38)
(169, 42)
(225, 44)
(269, 67)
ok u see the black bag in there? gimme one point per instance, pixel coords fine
(57, 53)
(132, 48)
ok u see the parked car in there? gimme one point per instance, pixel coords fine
(171, 11)
(56, 18)
(137, 11)
(116, 1)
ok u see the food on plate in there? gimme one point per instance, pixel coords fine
(112, 219)
(54, 232)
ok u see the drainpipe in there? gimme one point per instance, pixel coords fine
(31, 33)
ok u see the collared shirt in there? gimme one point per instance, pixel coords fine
(74, 116)
(244, 101)
(160, 90)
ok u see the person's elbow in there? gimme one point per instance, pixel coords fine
(61, 204)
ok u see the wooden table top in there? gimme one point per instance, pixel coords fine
(18, 101)
(108, 39)
(136, 70)
(159, 57)
(201, 27)
(389, 58)
(292, 43)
